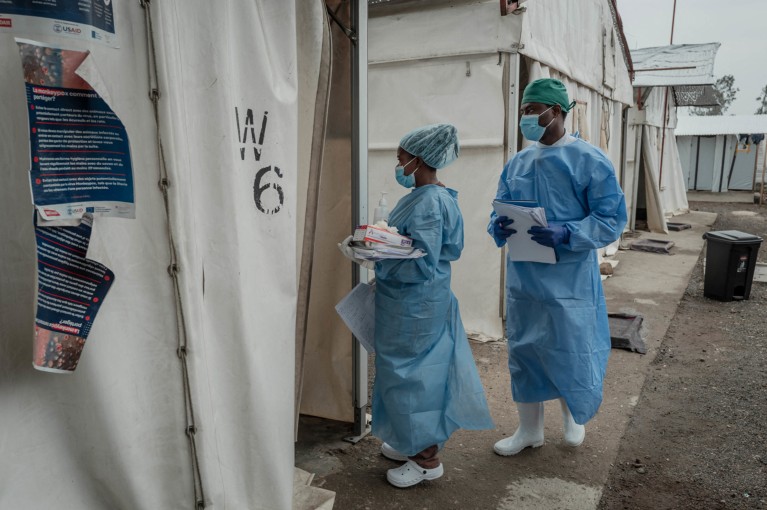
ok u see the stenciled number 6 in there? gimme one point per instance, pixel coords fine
(259, 189)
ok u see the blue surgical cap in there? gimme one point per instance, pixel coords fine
(436, 144)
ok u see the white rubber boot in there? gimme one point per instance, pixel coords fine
(574, 433)
(528, 434)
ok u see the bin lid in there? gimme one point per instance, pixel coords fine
(732, 237)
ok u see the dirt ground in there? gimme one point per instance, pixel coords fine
(695, 437)
(698, 436)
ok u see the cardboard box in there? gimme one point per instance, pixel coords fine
(371, 234)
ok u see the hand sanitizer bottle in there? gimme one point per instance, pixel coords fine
(382, 211)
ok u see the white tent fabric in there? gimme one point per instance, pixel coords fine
(578, 39)
(396, 33)
(666, 193)
(665, 190)
(112, 435)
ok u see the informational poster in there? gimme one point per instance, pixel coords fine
(80, 154)
(70, 290)
(88, 20)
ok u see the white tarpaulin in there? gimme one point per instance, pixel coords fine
(114, 433)
(677, 64)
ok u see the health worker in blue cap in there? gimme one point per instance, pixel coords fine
(556, 317)
(426, 383)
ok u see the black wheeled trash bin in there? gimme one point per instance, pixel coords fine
(730, 263)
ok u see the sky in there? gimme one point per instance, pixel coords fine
(740, 25)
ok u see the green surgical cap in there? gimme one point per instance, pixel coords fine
(547, 91)
(436, 144)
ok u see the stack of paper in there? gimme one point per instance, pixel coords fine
(383, 252)
(357, 309)
(521, 246)
(381, 242)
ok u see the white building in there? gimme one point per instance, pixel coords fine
(722, 152)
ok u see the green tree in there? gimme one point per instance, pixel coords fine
(725, 92)
(762, 99)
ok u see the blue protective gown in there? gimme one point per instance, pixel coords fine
(556, 318)
(426, 383)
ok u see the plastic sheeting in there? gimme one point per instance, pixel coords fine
(112, 435)
(677, 64)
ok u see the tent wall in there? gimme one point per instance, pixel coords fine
(632, 167)
(665, 183)
(428, 29)
(578, 39)
(112, 435)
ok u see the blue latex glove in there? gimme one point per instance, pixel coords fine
(500, 230)
(552, 236)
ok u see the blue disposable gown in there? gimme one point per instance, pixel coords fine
(556, 319)
(426, 383)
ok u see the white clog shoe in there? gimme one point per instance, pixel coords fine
(410, 474)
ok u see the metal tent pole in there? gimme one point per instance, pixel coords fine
(359, 19)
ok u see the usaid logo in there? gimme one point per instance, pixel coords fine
(6, 23)
(66, 29)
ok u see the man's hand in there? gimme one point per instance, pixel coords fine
(550, 236)
(501, 228)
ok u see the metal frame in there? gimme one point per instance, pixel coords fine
(359, 21)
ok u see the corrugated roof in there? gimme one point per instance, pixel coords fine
(678, 64)
(707, 125)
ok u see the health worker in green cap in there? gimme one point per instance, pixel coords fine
(426, 382)
(556, 317)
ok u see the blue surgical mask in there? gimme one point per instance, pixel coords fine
(408, 181)
(530, 127)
